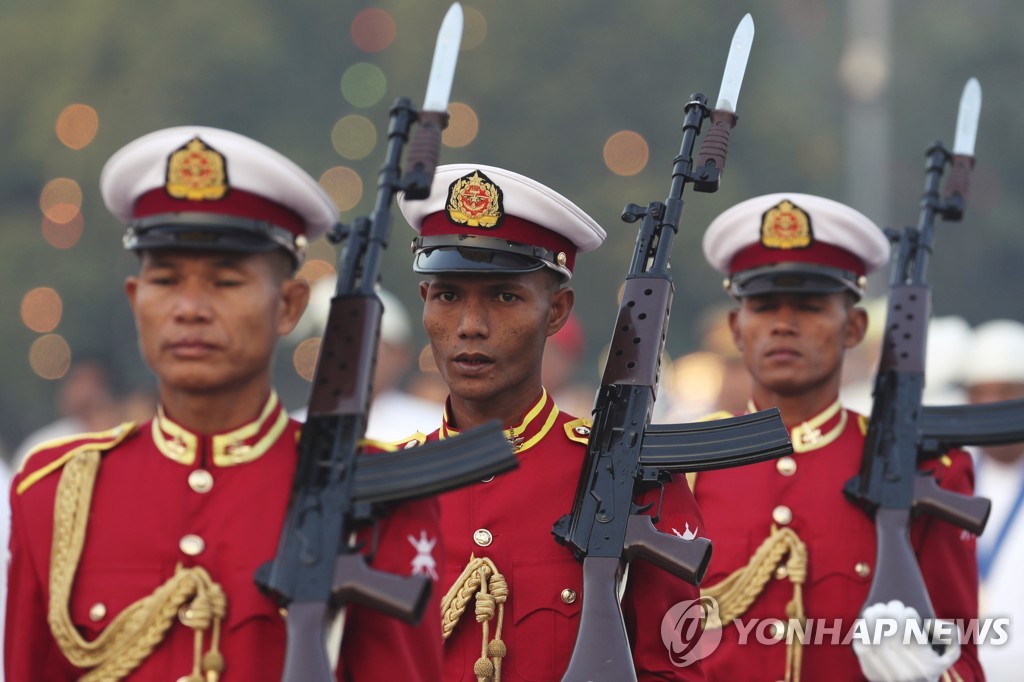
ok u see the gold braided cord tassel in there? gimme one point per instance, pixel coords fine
(480, 580)
(138, 630)
(737, 592)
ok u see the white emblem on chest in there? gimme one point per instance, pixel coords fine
(687, 534)
(423, 563)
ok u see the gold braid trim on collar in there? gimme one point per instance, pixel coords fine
(133, 635)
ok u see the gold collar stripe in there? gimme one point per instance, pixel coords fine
(245, 444)
(523, 436)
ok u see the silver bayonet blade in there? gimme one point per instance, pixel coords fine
(446, 54)
(967, 118)
(736, 65)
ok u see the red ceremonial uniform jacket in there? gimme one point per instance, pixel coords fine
(804, 493)
(508, 519)
(165, 497)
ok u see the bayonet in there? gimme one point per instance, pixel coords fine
(967, 118)
(736, 65)
(711, 160)
(446, 54)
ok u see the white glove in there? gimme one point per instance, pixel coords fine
(895, 657)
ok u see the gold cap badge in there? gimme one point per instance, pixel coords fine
(197, 172)
(786, 226)
(475, 201)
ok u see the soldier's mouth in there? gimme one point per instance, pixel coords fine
(472, 362)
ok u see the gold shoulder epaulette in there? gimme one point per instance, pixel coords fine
(721, 414)
(862, 422)
(412, 441)
(579, 430)
(100, 441)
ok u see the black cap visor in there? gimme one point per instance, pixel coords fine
(794, 278)
(207, 232)
(472, 260)
(475, 253)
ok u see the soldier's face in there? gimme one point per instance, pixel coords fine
(794, 343)
(487, 335)
(209, 322)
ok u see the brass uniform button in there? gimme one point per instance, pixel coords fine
(483, 537)
(862, 569)
(782, 515)
(568, 596)
(97, 612)
(786, 466)
(201, 481)
(192, 545)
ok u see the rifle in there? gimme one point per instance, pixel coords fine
(318, 568)
(625, 457)
(902, 433)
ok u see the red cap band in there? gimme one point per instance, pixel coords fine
(236, 202)
(819, 253)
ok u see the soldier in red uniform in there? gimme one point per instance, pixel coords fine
(498, 250)
(790, 552)
(134, 550)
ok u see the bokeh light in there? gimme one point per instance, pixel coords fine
(696, 380)
(363, 85)
(61, 200)
(343, 185)
(77, 125)
(314, 270)
(373, 30)
(474, 28)
(626, 153)
(63, 235)
(50, 356)
(304, 358)
(463, 125)
(863, 70)
(354, 137)
(322, 249)
(41, 309)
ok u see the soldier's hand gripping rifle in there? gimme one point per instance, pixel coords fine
(625, 457)
(902, 433)
(336, 490)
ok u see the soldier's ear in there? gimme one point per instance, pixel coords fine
(734, 328)
(294, 299)
(131, 287)
(562, 301)
(856, 326)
